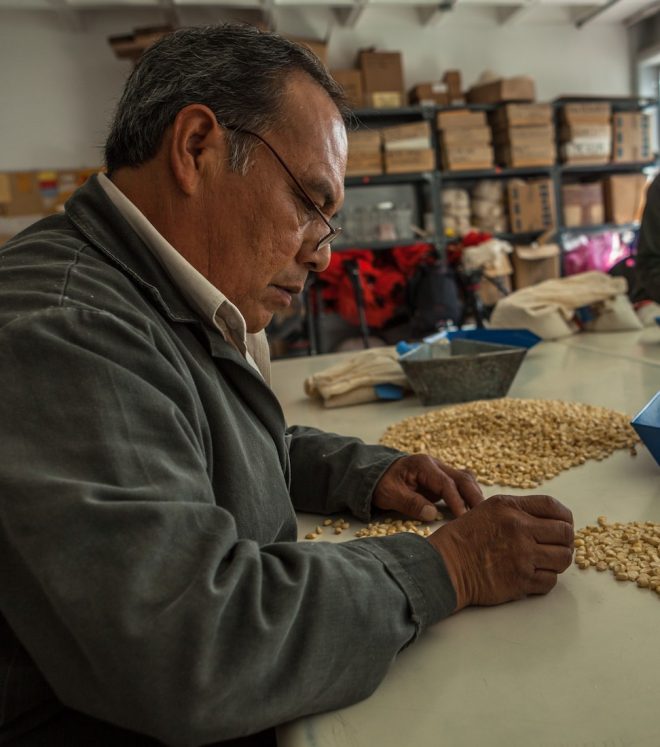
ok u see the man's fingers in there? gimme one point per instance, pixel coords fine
(542, 582)
(545, 507)
(553, 558)
(553, 532)
(467, 485)
(436, 483)
(416, 506)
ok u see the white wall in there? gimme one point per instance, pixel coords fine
(58, 85)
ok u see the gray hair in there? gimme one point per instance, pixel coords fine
(236, 70)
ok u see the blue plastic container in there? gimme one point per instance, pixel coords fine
(647, 425)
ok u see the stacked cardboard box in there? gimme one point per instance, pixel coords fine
(408, 148)
(625, 195)
(453, 80)
(465, 140)
(585, 133)
(351, 81)
(382, 78)
(364, 153)
(131, 46)
(439, 92)
(433, 93)
(631, 140)
(535, 263)
(531, 204)
(583, 204)
(519, 88)
(524, 135)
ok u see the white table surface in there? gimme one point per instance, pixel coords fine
(578, 667)
(643, 345)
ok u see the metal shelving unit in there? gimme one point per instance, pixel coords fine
(428, 185)
(438, 179)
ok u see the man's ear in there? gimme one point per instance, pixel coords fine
(197, 143)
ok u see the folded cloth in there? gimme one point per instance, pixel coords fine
(547, 309)
(354, 381)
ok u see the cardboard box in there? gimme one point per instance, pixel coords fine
(382, 72)
(364, 153)
(429, 94)
(20, 194)
(583, 204)
(384, 99)
(365, 139)
(525, 154)
(460, 119)
(452, 79)
(531, 204)
(624, 197)
(535, 263)
(585, 132)
(317, 46)
(532, 135)
(592, 112)
(351, 82)
(364, 163)
(404, 161)
(407, 137)
(466, 157)
(630, 137)
(522, 115)
(500, 270)
(470, 136)
(520, 88)
(585, 153)
(131, 46)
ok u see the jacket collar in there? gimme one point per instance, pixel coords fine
(94, 215)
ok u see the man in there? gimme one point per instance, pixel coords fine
(152, 587)
(648, 249)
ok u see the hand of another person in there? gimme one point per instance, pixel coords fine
(413, 484)
(505, 548)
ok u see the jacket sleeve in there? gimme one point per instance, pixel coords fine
(332, 473)
(131, 588)
(648, 250)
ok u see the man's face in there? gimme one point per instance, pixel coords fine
(261, 233)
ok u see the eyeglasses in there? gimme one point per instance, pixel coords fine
(332, 231)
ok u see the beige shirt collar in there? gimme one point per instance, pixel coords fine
(210, 303)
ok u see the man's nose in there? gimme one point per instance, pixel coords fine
(315, 258)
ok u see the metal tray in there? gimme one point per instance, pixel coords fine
(461, 370)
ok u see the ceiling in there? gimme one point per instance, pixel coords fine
(348, 12)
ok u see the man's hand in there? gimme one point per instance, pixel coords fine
(413, 484)
(507, 547)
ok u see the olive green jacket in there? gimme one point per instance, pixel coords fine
(149, 570)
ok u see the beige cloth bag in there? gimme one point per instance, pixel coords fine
(547, 309)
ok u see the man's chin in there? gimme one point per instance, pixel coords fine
(258, 322)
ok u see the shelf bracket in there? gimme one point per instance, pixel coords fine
(514, 13)
(594, 13)
(430, 15)
(348, 17)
